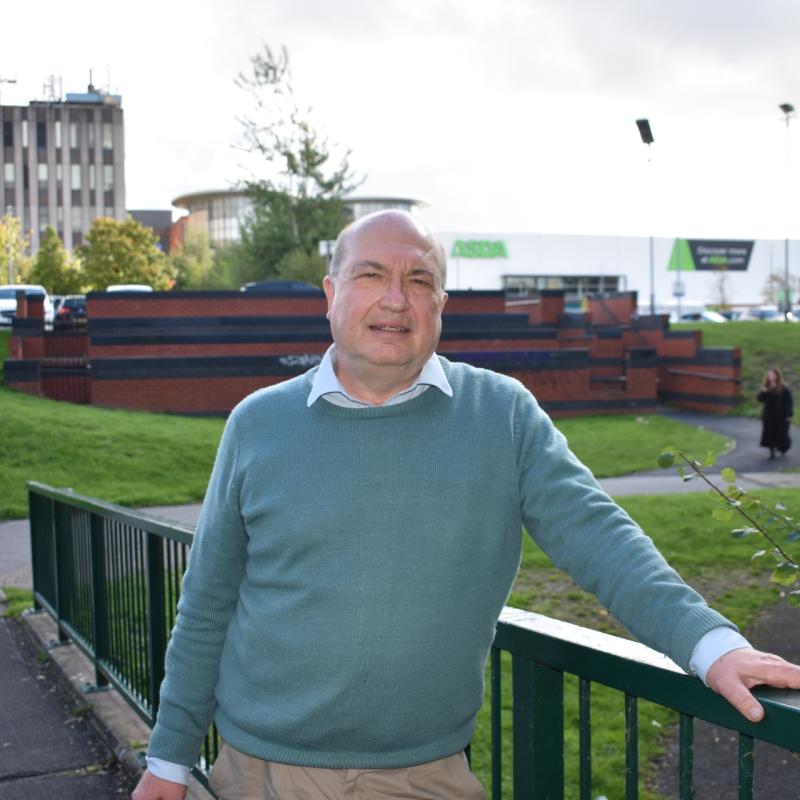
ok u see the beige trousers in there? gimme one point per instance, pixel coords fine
(236, 776)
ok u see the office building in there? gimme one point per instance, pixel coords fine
(62, 164)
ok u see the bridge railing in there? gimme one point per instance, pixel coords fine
(110, 578)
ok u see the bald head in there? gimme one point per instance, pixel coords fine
(387, 224)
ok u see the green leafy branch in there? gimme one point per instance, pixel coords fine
(773, 524)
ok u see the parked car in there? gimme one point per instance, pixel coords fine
(278, 287)
(8, 301)
(71, 312)
(129, 287)
(763, 313)
(703, 316)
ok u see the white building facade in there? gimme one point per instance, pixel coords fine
(695, 272)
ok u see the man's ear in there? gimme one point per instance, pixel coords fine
(330, 290)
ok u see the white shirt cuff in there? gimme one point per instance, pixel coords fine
(166, 770)
(712, 646)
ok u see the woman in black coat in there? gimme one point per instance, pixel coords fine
(776, 413)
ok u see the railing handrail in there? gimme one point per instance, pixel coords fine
(150, 523)
(636, 669)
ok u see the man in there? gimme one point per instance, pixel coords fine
(359, 537)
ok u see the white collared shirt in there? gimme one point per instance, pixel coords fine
(328, 386)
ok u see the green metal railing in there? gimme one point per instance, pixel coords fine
(110, 578)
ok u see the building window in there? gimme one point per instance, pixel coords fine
(24, 133)
(77, 219)
(41, 135)
(8, 173)
(75, 176)
(57, 133)
(108, 136)
(59, 174)
(8, 133)
(74, 136)
(44, 218)
(108, 177)
(92, 177)
(109, 212)
(42, 171)
(90, 133)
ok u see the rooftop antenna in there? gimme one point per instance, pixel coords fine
(91, 88)
(49, 88)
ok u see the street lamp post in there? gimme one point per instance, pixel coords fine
(647, 137)
(788, 113)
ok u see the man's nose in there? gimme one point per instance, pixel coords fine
(394, 296)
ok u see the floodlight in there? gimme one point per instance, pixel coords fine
(644, 131)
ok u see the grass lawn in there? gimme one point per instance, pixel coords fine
(763, 344)
(614, 445)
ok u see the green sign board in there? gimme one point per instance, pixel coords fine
(709, 254)
(479, 248)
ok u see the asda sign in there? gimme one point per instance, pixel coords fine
(479, 248)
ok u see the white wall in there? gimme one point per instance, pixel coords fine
(541, 254)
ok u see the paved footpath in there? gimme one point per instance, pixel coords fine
(50, 747)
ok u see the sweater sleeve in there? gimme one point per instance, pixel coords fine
(209, 594)
(590, 537)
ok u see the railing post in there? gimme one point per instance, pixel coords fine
(538, 730)
(62, 547)
(497, 725)
(686, 757)
(745, 767)
(585, 724)
(41, 527)
(631, 747)
(156, 627)
(97, 544)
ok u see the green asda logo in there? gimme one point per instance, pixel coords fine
(479, 248)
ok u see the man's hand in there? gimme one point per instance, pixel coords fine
(152, 788)
(735, 673)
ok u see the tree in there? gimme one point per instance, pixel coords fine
(301, 203)
(721, 289)
(123, 252)
(774, 291)
(54, 269)
(14, 263)
(192, 260)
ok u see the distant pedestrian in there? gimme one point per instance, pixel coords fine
(776, 413)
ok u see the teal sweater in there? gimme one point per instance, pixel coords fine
(349, 567)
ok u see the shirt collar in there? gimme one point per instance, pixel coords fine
(326, 382)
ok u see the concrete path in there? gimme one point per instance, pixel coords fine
(48, 745)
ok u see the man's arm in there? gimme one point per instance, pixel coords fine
(735, 673)
(152, 788)
(594, 541)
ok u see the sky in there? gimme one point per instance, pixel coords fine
(509, 116)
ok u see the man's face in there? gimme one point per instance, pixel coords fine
(386, 302)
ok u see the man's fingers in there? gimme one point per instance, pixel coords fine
(741, 698)
(736, 672)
